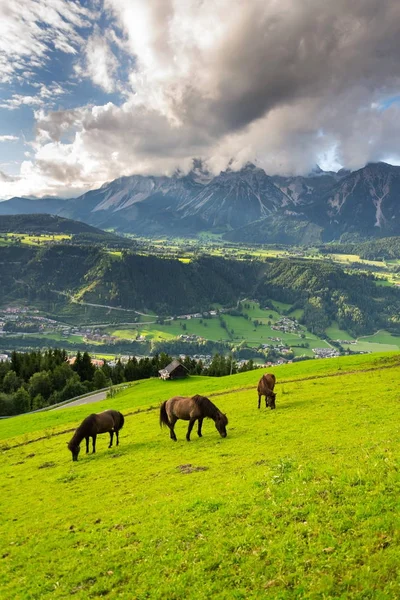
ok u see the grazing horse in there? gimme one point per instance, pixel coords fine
(266, 388)
(109, 420)
(191, 409)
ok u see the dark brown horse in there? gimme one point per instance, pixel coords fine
(266, 388)
(191, 409)
(109, 420)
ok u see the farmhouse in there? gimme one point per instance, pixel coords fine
(175, 370)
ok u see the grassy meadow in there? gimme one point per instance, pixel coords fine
(238, 329)
(32, 239)
(300, 502)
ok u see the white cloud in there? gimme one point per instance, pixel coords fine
(8, 138)
(29, 29)
(46, 96)
(100, 62)
(289, 82)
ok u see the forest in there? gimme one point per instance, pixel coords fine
(377, 249)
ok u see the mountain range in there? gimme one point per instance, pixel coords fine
(244, 206)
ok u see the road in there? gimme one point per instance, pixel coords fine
(87, 400)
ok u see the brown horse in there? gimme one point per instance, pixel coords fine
(266, 388)
(109, 420)
(191, 409)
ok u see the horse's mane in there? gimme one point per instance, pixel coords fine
(83, 430)
(208, 408)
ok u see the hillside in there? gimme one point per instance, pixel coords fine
(300, 502)
(45, 223)
(247, 205)
(384, 248)
(58, 274)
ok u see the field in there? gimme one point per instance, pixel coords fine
(301, 502)
(32, 240)
(238, 329)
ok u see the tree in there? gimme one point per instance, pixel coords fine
(60, 375)
(11, 382)
(118, 373)
(6, 405)
(85, 368)
(40, 384)
(21, 401)
(131, 371)
(72, 388)
(100, 380)
(38, 402)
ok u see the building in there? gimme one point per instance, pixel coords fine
(175, 370)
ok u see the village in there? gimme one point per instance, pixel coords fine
(27, 321)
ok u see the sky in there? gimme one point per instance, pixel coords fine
(92, 90)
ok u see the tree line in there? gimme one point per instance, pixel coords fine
(34, 380)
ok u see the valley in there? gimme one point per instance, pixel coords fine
(78, 287)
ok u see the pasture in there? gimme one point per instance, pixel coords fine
(238, 329)
(33, 239)
(300, 502)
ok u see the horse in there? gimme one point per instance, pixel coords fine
(191, 409)
(266, 388)
(108, 420)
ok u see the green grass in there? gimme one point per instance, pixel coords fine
(35, 240)
(239, 329)
(335, 333)
(209, 329)
(383, 337)
(297, 313)
(301, 502)
(371, 347)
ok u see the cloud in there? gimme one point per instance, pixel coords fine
(101, 63)
(287, 82)
(31, 29)
(8, 138)
(6, 178)
(46, 96)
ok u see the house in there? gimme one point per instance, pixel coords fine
(175, 370)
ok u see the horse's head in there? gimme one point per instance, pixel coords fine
(221, 422)
(271, 400)
(75, 449)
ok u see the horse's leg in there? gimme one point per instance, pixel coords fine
(94, 443)
(259, 400)
(111, 438)
(199, 427)
(189, 431)
(171, 425)
(87, 445)
(117, 436)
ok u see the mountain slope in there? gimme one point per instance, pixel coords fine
(44, 223)
(235, 198)
(366, 202)
(256, 207)
(55, 273)
(18, 206)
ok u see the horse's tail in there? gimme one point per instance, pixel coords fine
(163, 414)
(121, 420)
